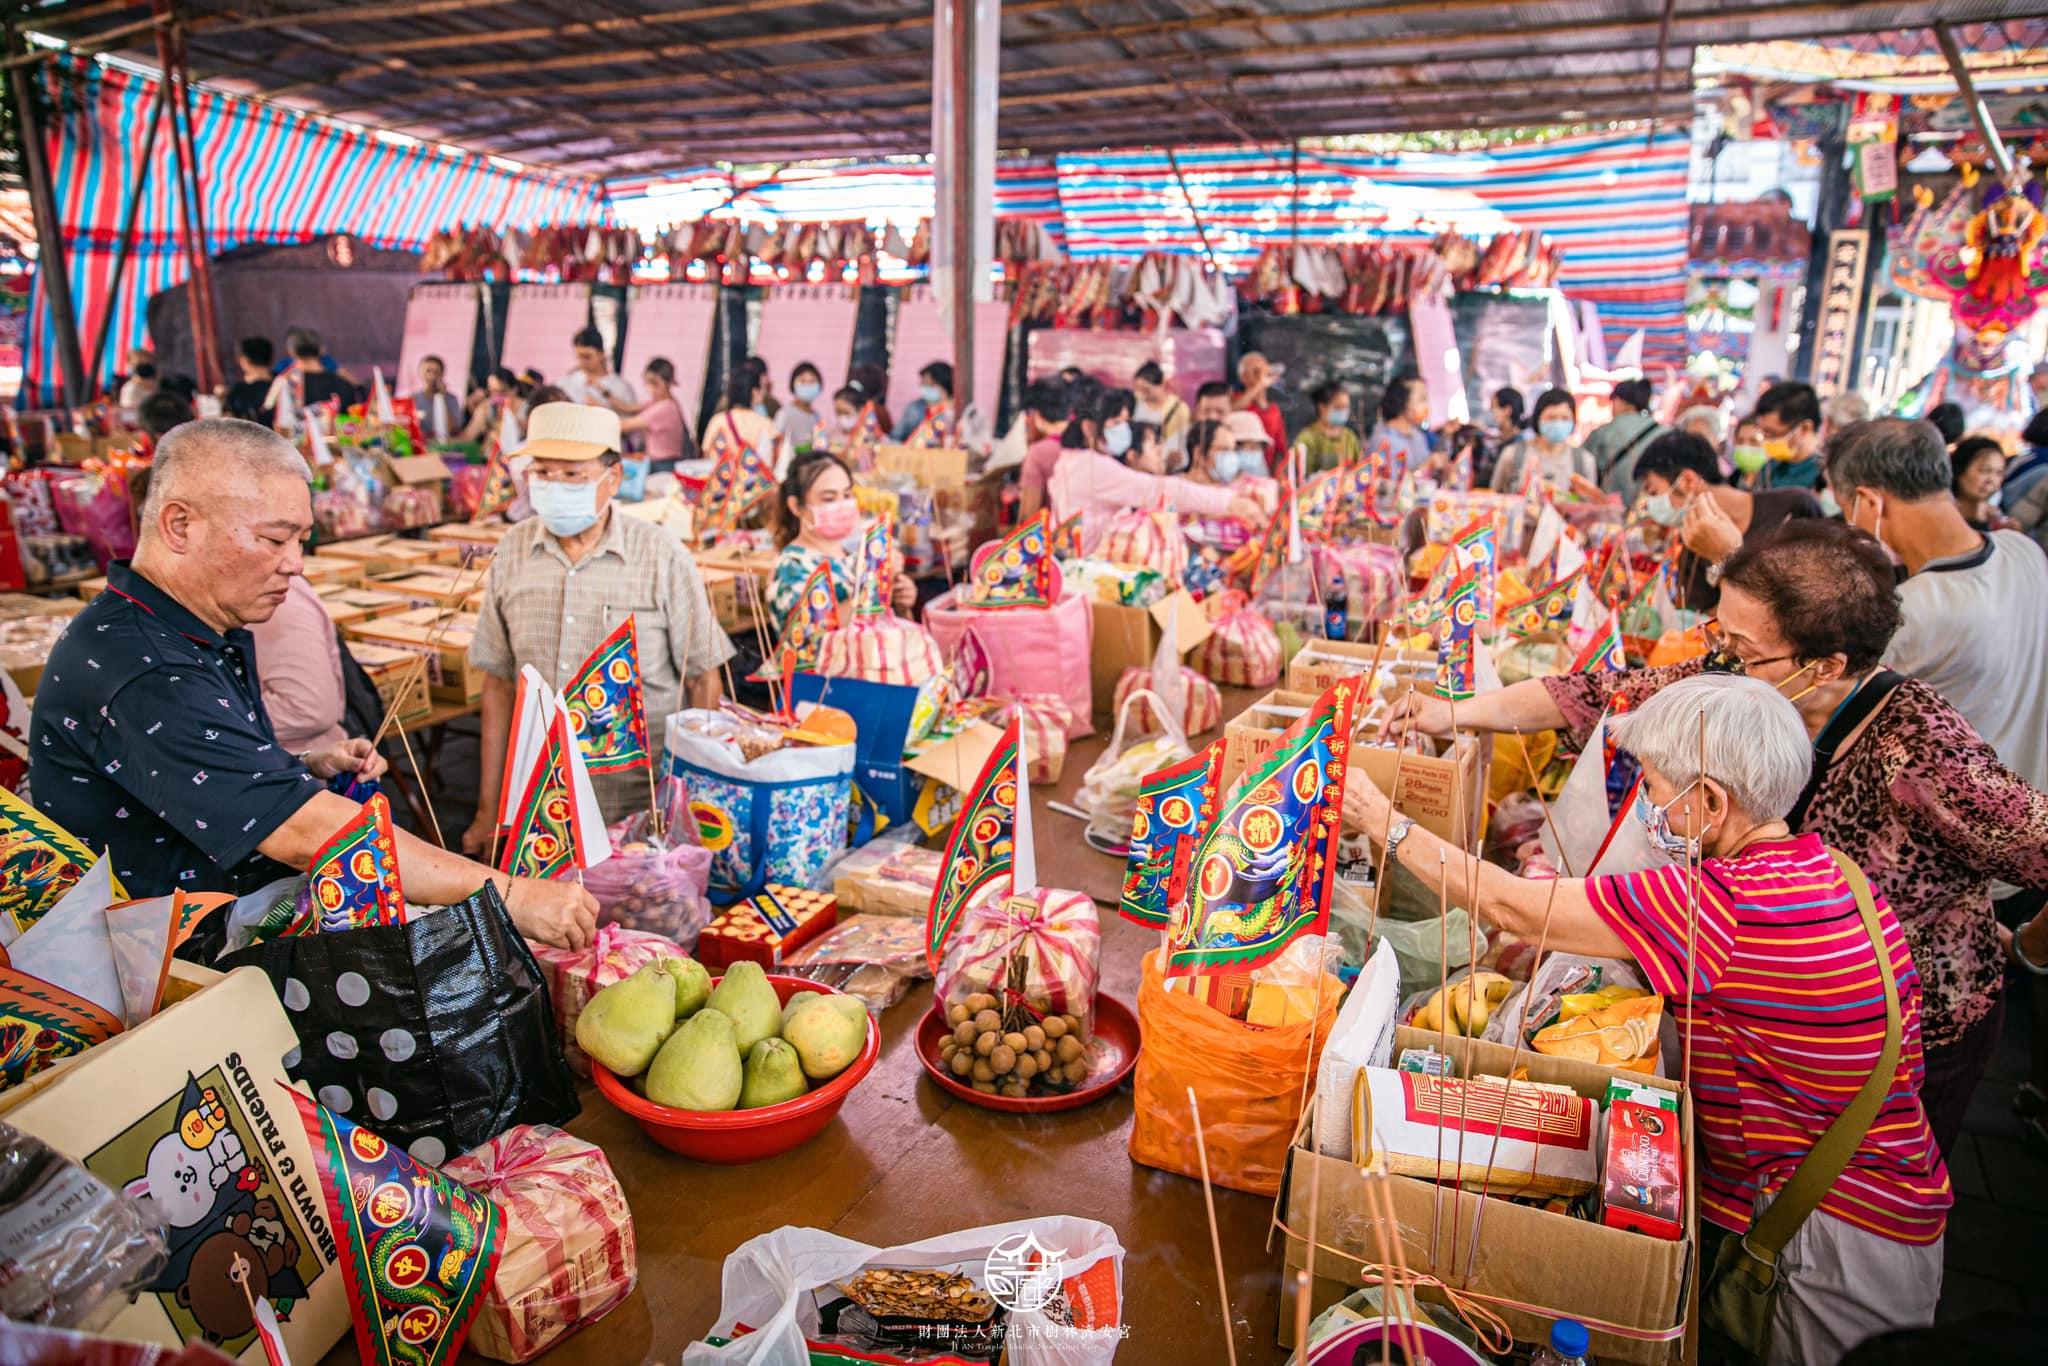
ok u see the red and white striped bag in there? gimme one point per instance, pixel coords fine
(568, 1255)
(1045, 718)
(1060, 939)
(1201, 705)
(1145, 540)
(881, 649)
(1242, 651)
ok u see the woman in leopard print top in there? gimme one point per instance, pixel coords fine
(1913, 795)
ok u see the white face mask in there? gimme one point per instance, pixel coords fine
(564, 509)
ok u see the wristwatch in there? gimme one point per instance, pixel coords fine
(2019, 953)
(1404, 825)
(1714, 573)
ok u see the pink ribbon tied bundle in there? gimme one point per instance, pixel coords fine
(575, 975)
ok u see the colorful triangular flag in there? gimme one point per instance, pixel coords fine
(1015, 571)
(353, 880)
(1173, 807)
(815, 611)
(41, 861)
(607, 709)
(1603, 653)
(1549, 610)
(1066, 539)
(419, 1250)
(1263, 869)
(983, 845)
(871, 561)
(1455, 676)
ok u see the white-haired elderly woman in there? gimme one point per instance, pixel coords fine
(1777, 984)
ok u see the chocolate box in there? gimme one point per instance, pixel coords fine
(1643, 1177)
(767, 927)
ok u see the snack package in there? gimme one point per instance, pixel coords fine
(1643, 1179)
(575, 975)
(1145, 540)
(1045, 720)
(1363, 1037)
(1451, 1129)
(1059, 940)
(767, 927)
(881, 649)
(1558, 976)
(568, 1255)
(1622, 1035)
(1109, 789)
(782, 1285)
(71, 1248)
(887, 877)
(874, 957)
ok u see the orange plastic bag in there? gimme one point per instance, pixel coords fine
(1248, 1081)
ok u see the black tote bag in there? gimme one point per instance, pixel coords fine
(437, 1035)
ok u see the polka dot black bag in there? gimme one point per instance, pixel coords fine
(437, 1034)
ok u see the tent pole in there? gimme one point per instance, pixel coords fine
(199, 275)
(1657, 82)
(1994, 145)
(49, 232)
(128, 229)
(1201, 233)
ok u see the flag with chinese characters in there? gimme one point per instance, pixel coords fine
(1272, 552)
(418, 1250)
(740, 479)
(1456, 678)
(353, 881)
(607, 710)
(983, 845)
(546, 834)
(39, 862)
(1016, 571)
(1603, 653)
(1478, 546)
(871, 569)
(1262, 871)
(1173, 806)
(815, 612)
(498, 491)
(1549, 610)
(935, 431)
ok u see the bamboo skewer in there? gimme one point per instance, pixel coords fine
(1215, 1237)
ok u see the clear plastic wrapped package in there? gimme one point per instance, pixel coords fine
(71, 1247)
(874, 957)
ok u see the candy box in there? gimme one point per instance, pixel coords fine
(766, 927)
(576, 975)
(568, 1255)
(1642, 1178)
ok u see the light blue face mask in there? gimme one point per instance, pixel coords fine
(1659, 508)
(1116, 438)
(1828, 506)
(1230, 465)
(762, 407)
(564, 509)
(1340, 417)
(1657, 822)
(807, 391)
(932, 394)
(1557, 430)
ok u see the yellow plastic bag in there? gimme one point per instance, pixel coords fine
(1249, 1083)
(1621, 1035)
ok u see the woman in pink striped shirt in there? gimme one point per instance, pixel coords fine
(1776, 989)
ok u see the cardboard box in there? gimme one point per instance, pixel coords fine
(208, 1066)
(324, 571)
(1565, 1267)
(1129, 636)
(13, 605)
(401, 684)
(1321, 663)
(954, 488)
(392, 554)
(1445, 797)
(349, 607)
(477, 540)
(91, 588)
(767, 927)
(722, 586)
(434, 586)
(418, 469)
(440, 634)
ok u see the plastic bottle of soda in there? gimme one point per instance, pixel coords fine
(1568, 1341)
(1336, 610)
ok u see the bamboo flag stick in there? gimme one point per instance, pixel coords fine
(1215, 1237)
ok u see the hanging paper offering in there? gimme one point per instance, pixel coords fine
(353, 880)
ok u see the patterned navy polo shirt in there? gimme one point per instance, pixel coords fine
(150, 740)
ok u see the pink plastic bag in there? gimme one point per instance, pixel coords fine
(576, 975)
(95, 505)
(1026, 650)
(647, 886)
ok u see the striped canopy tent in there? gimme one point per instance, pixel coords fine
(271, 175)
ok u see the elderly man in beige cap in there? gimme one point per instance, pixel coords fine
(565, 579)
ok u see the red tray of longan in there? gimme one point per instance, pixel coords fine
(1105, 1056)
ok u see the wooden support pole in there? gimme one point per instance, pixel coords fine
(129, 223)
(1994, 145)
(49, 231)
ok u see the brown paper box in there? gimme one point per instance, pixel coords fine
(400, 684)
(418, 469)
(1445, 798)
(722, 586)
(323, 571)
(478, 540)
(441, 635)
(1568, 1268)
(391, 554)
(116, 1109)
(432, 586)
(1124, 637)
(349, 606)
(13, 605)
(1322, 662)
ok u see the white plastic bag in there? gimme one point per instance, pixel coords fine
(1109, 789)
(1362, 1037)
(768, 1283)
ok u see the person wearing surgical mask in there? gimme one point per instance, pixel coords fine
(1746, 452)
(1788, 417)
(1547, 455)
(563, 581)
(1093, 482)
(931, 406)
(817, 520)
(1901, 781)
(1685, 492)
(1777, 965)
(1330, 441)
(798, 421)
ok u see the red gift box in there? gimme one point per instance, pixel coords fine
(568, 1256)
(766, 928)
(1642, 1181)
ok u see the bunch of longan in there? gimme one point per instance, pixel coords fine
(1050, 1054)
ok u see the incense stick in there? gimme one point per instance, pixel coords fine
(426, 798)
(1215, 1238)
(433, 642)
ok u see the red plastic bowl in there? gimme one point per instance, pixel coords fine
(736, 1136)
(1115, 1053)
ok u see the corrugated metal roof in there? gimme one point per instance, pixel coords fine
(648, 87)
